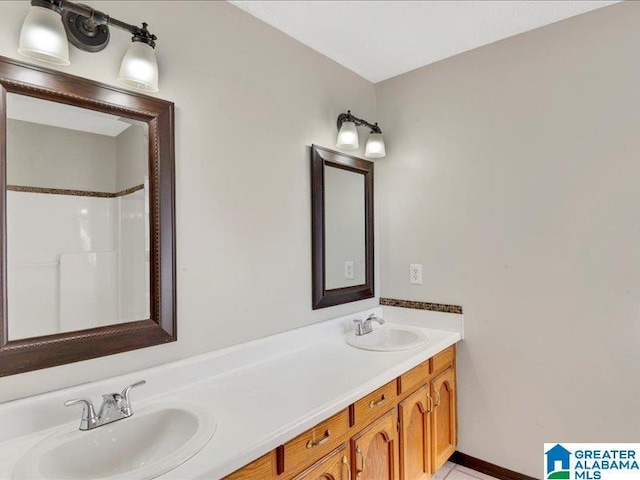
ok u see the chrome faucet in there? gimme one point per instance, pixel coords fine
(115, 406)
(364, 326)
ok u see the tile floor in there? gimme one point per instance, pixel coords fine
(451, 471)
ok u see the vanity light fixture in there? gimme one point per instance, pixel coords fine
(51, 24)
(348, 135)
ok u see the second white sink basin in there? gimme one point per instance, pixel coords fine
(389, 338)
(153, 441)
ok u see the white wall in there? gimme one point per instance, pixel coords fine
(249, 103)
(512, 176)
(133, 256)
(61, 255)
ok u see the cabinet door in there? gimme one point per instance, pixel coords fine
(374, 451)
(444, 440)
(335, 466)
(415, 436)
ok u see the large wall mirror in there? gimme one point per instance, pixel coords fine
(88, 236)
(342, 228)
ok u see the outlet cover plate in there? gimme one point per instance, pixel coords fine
(415, 274)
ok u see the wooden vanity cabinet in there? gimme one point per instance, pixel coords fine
(445, 432)
(405, 430)
(415, 435)
(374, 451)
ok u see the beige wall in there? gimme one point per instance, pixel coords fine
(512, 175)
(52, 157)
(132, 158)
(249, 103)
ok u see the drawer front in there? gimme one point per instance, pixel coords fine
(263, 468)
(375, 404)
(315, 443)
(334, 466)
(444, 359)
(416, 377)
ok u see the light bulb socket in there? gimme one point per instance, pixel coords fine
(344, 117)
(50, 4)
(143, 35)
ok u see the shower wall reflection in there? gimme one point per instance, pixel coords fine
(77, 219)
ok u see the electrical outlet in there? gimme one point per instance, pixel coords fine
(348, 270)
(415, 273)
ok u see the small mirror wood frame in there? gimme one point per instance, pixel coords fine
(28, 354)
(321, 157)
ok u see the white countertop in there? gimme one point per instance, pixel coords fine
(262, 393)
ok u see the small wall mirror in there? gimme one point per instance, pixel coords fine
(87, 197)
(342, 228)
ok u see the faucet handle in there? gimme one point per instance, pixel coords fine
(359, 325)
(88, 413)
(126, 398)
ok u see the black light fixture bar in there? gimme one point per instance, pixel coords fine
(91, 20)
(347, 117)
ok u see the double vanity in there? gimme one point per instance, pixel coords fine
(354, 397)
(292, 405)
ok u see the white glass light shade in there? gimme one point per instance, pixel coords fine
(43, 37)
(139, 68)
(347, 136)
(375, 146)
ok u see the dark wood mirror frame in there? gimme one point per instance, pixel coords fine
(321, 157)
(24, 355)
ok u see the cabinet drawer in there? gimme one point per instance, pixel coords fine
(444, 359)
(416, 377)
(315, 443)
(336, 466)
(374, 404)
(263, 468)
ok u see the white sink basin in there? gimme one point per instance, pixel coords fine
(153, 441)
(389, 338)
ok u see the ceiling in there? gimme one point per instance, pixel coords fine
(381, 39)
(44, 112)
